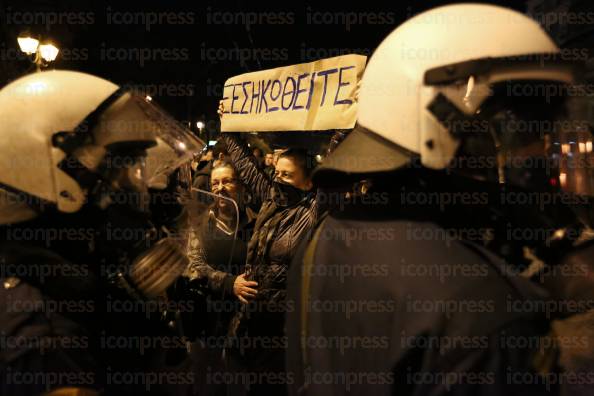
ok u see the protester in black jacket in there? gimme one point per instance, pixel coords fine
(288, 211)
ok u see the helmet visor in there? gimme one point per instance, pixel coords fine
(176, 145)
(543, 136)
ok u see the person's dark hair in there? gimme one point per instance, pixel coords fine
(219, 148)
(303, 158)
(225, 164)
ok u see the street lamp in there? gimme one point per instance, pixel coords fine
(44, 53)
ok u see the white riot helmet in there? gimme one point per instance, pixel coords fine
(436, 86)
(58, 129)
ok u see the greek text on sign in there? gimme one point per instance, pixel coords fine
(309, 96)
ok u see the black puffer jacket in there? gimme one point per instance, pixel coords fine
(277, 232)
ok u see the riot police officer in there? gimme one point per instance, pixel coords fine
(84, 278)
(464, 137)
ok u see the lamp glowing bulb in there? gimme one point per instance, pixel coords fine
(48, 52)
(28, 44)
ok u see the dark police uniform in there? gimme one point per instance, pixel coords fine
(384, 304)
(60, 326)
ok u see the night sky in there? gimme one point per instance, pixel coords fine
(181, 52)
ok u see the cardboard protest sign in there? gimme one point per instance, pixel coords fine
(309, 96)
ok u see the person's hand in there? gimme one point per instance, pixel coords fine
(221, 109)
(357, 90)
(242, 288)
